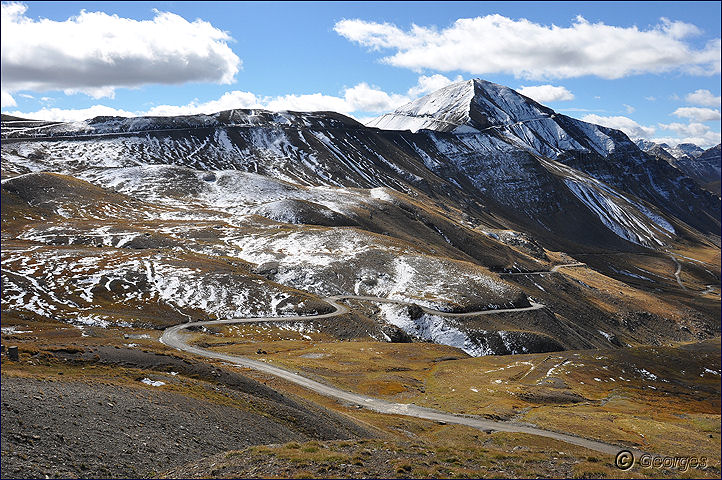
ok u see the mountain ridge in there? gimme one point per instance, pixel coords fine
(317, 204)
(331, 148)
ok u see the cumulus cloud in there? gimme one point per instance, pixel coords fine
(65, 115)
(313, 102)
(547, 93)
(689, 129)
(95, 53)
(7, 100)
(625, 124)
(227, 101)
(497, 44)
(362, 100)
(697, 133)
(703, 97)
(427, 84)
(359, 98)
(698, 114)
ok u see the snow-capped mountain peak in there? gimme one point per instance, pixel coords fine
(480, 107)
(472, 105)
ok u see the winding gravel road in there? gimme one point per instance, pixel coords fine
(554, 269)
(173, 337)
(677, 271)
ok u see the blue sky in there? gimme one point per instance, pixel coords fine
(651, 69)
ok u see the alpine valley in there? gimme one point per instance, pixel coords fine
(471, 262)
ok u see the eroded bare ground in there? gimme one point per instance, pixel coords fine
(121, 412)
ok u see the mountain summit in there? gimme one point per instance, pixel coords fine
(477, 106)
(480, 109)
(463, 107)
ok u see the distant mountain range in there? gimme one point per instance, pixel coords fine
(703, 166)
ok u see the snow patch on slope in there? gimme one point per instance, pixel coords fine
(432, 328)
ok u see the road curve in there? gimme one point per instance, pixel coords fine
(554, 269)
(677, 271)
(173, 337)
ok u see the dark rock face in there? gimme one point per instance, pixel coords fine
(395, 334)
(660, 152)
(702, 166)
(705, 169)
(268, 269)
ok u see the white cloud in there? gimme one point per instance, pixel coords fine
(364, 98)
(625, 124)
(59, 114)
(703, 97)
(431, 83)
(686, 129)
(547, 93)
(95, 53)
(650, 98)
(698, 114)
(99, 92)
(697, 133)
(360, 98)
(629, 109)
(576, 109)
(362, 101)
(228, 101)
(709, 140)
(313, 102)
(7, 100)
(497, 44)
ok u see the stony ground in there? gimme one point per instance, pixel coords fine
(71, 426)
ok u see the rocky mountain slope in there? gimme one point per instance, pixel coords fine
(702, 166)
(483, 109)
(680, 151)
(704, 169)
(440, 203)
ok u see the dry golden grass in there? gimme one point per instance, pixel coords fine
(609, 292)
(680, 417)
(435, 452)
(612, 399)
